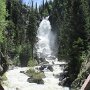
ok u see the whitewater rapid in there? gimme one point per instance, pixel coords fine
(18, 81)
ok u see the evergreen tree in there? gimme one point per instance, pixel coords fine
(3, 22)
(2, 19)
(70, 20)
(31, 29)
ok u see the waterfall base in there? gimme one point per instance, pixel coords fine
(18, 81)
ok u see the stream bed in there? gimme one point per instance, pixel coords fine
(18, 81)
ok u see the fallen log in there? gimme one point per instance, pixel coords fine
(86, 85)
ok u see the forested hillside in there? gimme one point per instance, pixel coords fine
(70, 21)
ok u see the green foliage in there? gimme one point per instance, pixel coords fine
(25, 54)
(32, 63)
(16, 61)
(70, 20)
(3, 78)
(36, 75)
(19, 49)
(20, 33)
(2, 18)
(84, 73)
(46, 8)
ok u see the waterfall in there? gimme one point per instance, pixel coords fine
(43, 35)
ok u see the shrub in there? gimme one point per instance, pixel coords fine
(35, 75)
(32, 63)
(3, 78)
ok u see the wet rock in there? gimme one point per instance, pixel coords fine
(11, 67)
(43, 63)
(63, 75)
(1, 69)
(32, 80)
(65, 82)
(1, 88)
(38, 81)
(42, 67)
(17, 89)
(57, 75)
(0, 78)
(42, 59)
(22, 72)
(51, 57)
(61, 83)
(50, 68)
(66, 68)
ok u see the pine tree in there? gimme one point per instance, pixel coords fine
(31, 29)
(2, 19)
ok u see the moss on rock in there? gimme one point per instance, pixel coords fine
(35, 77)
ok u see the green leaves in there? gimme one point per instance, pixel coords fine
(70, 20)
(32, 63)
(2, 18)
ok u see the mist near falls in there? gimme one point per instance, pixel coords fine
(46, 45)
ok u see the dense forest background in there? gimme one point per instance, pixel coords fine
(70, 21)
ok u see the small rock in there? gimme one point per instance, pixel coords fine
(63, 75)
(50, 68)
(22, 72)
(42, 67)
(1, 88)
(62, 82)
(17, 89)
(39, 81)
(57, 75)
(30, 80)
(1, 69)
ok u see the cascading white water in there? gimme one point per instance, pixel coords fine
(18, 81)
(43, 35)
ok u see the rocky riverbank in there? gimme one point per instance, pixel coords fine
(17, 79)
